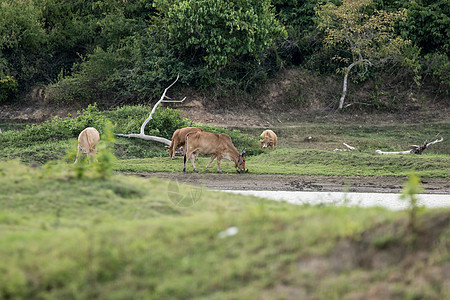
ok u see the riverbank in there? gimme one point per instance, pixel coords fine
(276, 182)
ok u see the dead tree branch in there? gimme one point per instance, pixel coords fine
(415, 149)
(351, 148)
(142, 134)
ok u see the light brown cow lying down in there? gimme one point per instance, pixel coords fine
(219, 145)
(87, 141)
(269, 139)
(179, 139)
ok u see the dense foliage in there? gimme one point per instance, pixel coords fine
(116, 52)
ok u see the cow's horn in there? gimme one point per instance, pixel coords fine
(243, 151)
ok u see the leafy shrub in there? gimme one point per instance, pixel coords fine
(105, 158)
(8, 87)
(129, 118)
(428, 24)
(165, 122)
(55, 129)
(217, 32)
(437, 67)
(409, 193)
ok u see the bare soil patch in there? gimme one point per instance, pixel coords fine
(277, 182)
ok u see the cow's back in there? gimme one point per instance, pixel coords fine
(179, 138)
(88, 139)
(180, 134)
(208, 142)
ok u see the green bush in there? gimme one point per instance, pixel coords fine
(165, 122)
(55, 129)
(437, 68)
(428, 24)
(8, 87)
(129, 118)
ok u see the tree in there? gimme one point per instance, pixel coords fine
(365, 35)
(428, 25)
(214, 32)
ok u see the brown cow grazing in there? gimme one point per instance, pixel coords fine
(87, 141)
(269, 139)
(219, 145)
(179, 139)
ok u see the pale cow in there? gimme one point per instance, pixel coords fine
(87, 142)
(179, 139)
(269, 139)
(218, 145)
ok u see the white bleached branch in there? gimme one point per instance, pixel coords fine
(351, 148)
(142, 135)
(415, 149)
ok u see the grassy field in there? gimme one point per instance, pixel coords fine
(365, 136)
(313, 162)
(134, 238)
(302, 149)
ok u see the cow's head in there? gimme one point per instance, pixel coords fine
(171, 154)
(240, 165)
(266, 142)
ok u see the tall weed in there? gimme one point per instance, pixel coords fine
(410, 190)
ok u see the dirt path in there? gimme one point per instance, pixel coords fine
(301, 182)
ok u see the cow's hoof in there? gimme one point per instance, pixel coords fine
(195, 170)
(184, 170)
(220, 171)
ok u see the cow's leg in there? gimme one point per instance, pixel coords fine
(185, 159)
(172, 149)
(183, 147)
(79, 153)
(218, 164)
(92, 155)
(193, 158)
(211, 160)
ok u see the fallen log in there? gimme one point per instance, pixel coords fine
(415, 149)
(351, 148)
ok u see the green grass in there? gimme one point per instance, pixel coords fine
(367, 137)
(314, 162)
(128, 237)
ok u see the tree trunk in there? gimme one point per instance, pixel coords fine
(347, 71)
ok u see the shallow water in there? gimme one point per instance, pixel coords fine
(388, 200)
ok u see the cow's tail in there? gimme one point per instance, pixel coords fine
(186, 142)
(186, 145)
(90, 140)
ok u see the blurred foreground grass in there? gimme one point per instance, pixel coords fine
(134, 238)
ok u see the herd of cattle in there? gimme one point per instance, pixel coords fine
(194, 141)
